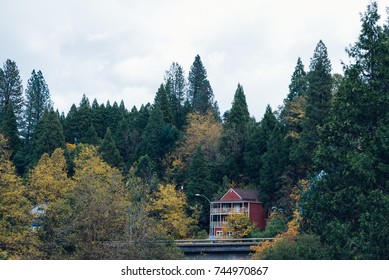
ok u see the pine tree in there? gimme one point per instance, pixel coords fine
(98, 119)
(9, 129)
(235, 134)
(200, 93)
(347, 203)
(298, 84)
(320, 85)
(11, 90)
(109, 152)
(123, 140)
(199, 183)
(293, 111)
(273, 165)
(161, 100)
(257, 146)
(176, 86)
(318, 95)
(91, 137)
(78, 121)
(113, 116)
(48, 136)
(71, 126)
(151, 138)
(83, 118)
(38, 100)
(198, 176)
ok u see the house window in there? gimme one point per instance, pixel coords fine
(229, 234)
(219, 233)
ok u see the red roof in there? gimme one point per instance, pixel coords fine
(240, 194)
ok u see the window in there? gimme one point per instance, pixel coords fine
(229, 234)
(219, 233)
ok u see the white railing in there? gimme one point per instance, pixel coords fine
(218, 224)
(242, 210)
(224, 240)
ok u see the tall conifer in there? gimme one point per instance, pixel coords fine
(200, 93)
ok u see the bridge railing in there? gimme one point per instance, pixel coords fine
(222, 240)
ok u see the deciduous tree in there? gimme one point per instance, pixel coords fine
(169, 207)
(16, 239)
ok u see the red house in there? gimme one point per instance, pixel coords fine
(232, 202)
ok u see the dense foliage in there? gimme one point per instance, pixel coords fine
(122, 183)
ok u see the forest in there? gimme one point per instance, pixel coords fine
(120, 183)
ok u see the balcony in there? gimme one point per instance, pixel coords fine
(218, 224)
(230, 210)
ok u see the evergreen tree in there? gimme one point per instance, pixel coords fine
(98, 118)
(113, 116)
(151, 139)
(176, 87)
(123, 140)
(298, 84)
(48, 136)
(71, 126)
(199, 183)
(78, 121)
(318, 104)
(257, 145)
(83, 118)
(161, 100)
(273, 165)
(200, 93)
(347, 203)
(11, 90)
(38, 100)
(235, 134)
(198, 177)
(9, 129)
(91, 137)
(109, 152)
(293, 111)
(145, 169)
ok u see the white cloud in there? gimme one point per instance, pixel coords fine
(120, 49)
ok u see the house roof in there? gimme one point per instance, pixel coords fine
(247, 194)
(251, 195)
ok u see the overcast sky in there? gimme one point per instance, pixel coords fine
(119, 50)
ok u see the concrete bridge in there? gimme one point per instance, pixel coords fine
(219, 249)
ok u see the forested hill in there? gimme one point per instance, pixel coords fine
(322, 157)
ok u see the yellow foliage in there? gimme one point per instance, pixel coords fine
(290, 235)
(94, 211)
(48, 180)
(15, 215)
(202, 131)
(293, 114)
(239, 224)
(169, 206)
(90, 166)
(293, 226)
(71, 147)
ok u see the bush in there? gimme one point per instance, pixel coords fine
(302, 247)
(276, 224)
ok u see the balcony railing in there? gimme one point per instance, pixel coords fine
(218, 224)
(231, 210)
